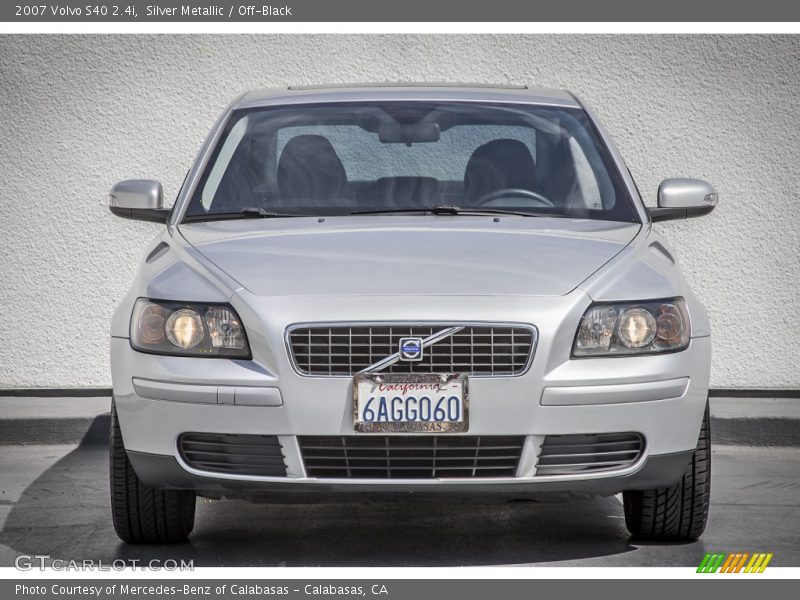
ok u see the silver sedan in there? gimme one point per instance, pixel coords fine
(409, 290)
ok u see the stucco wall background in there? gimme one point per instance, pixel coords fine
(80, 112)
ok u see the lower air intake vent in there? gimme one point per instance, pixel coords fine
(410, 457)
(570, 454)
(233, 454)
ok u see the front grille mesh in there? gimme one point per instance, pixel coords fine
(260, 455)
(410, 457)
(571, 454)
(475, 350)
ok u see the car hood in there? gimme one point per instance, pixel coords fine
(409, 255)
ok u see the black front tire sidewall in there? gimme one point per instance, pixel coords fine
(678, 513)
(143, 514)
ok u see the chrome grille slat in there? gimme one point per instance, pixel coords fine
(575, 444)
(407, 457)
(425, 448)
(478, 350)
(227, 444)
(231, 455)
(569, 454)
(596, 454)
(413, 468)
(401, 458)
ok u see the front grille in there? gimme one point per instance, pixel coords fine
(474, 350)
(410, 457)
(234, 454)
(570, 454)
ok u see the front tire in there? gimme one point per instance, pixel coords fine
(677, 513)
(142, 514)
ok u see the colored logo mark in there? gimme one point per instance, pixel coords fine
(411, 348)
(734, 562)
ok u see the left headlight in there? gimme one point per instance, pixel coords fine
(188, 329)
(624, 329)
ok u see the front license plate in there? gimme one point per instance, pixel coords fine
(420, 403)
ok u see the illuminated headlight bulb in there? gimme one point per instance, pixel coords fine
(185, 328)
(637, 328)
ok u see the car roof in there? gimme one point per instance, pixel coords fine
(463, 92)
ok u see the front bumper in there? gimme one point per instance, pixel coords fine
(661, 397)
(166, 472)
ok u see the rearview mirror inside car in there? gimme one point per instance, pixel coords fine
(392, 132)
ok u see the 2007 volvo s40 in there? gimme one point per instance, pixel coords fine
(411, 291)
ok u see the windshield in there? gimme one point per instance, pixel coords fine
(341, 159)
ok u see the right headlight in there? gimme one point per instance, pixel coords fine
(188, 329)
(627, 328)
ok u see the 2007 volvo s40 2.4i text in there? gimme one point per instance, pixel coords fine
(409, 291)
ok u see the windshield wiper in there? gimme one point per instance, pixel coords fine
(245, 213)
(260, 213)
(452, 210)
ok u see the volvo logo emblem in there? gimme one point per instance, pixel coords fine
(411, 348)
